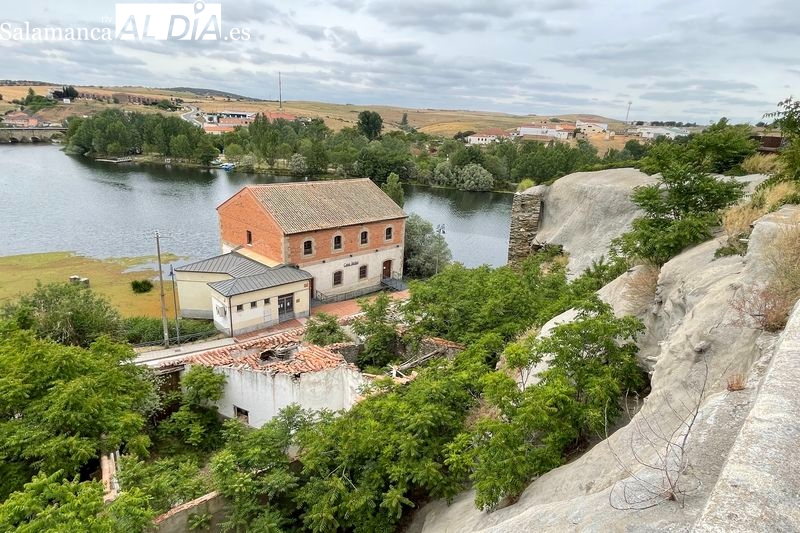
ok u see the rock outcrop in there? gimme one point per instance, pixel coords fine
(582, 212)
(742, 447)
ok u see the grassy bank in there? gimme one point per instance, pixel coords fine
(19, 274)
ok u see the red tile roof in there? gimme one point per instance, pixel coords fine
(246, 355)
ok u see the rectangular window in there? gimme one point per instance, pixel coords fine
(308, 248)
(362, 272)
(240, 307)
(388, 234)
(337, 242)
(241, 414)
(337, 278)
(253, 305)
(266, 301)
(249, 237)
(364, 237)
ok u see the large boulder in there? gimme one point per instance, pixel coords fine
(584, 212)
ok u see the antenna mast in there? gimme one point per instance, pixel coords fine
(280, 92)
(628, 113)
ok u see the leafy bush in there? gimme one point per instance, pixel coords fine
(323, 329)
(592, 364)
(525, 184)
(140, 286)
(196, 423)
(166, 482)
(147, 329)
(679, 212)
(382, 343)
(66, 313)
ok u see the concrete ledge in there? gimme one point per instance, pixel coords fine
(759, 487)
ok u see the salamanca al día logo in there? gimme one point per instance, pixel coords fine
(173, 22)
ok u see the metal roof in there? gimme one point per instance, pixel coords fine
(233, 264)
(314, 205)
(271, 278)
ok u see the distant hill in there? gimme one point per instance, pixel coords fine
(211, 92)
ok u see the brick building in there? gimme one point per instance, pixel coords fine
(288, 243)
(348, 234)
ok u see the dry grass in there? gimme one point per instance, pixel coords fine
(736, 382)
(19, 274)
(761, 164)
(769, 304)
(774, 197)
(738, 220)
(641, 288)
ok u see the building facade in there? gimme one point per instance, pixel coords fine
(348, 234)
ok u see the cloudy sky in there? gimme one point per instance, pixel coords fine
(687, 60)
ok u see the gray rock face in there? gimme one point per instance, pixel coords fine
(742, 451)
(581, 212)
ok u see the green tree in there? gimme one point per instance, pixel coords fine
(679, 211)
(426, 251)
(53, 503)
(298, 165)
(323, 329)
(382, 342)
(66, 313)
(591, 365)
(722, 146)
(474, 177)
(180, 147)
(63, 406)
(196, 422)
(370, 124)
(393, 189)
(166, 482)
(205, 152)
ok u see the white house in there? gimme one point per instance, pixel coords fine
(591, 128)
(265, 375)
(653, 132)
(487, 136)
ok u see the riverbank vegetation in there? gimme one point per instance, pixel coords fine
(110, 278)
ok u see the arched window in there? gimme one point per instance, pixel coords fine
(337, 242)
(365, 237)
(337, 278)
(389, 233)
(308, 247)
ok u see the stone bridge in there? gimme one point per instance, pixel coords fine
(30, 135)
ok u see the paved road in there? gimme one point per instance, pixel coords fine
(189, 117)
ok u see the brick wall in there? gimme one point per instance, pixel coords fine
(351, 241)
(243, 213)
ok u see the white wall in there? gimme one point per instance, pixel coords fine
(263, 395)
(323, 272)
(263, 314)
(194, 294)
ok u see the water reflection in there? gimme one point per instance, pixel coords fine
(55, 202)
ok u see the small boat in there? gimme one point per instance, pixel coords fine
(227, 166)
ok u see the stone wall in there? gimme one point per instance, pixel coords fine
(525, 216)
(176, 520)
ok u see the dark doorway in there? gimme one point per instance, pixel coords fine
(285, 307)
(387, 269)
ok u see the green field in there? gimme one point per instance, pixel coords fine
(110, 277)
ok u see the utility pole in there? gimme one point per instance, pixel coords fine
(175, 303)
(163, 302)
(280, 92)
(440, 230)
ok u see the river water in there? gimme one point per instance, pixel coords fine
(54, 202)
